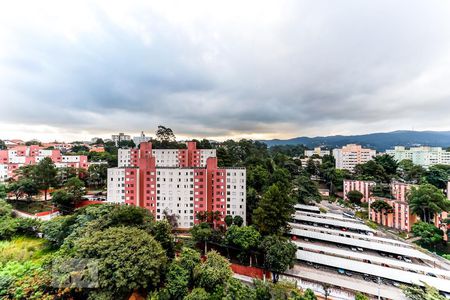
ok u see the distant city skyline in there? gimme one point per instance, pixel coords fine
(219, 70)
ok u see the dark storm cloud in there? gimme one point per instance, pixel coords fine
(300, 67)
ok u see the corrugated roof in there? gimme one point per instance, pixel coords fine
(378, 259)
(355, 235)
(376, 246)
(375, 270)
(337, 223)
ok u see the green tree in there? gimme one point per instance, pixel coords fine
(381, 206)
(45, 175)
(360, 296)
(128, 259)
(165, 134)
(189, 259)
(3, 193)
(236, 290)
(177, 281)
(410, 172)
(312, 167)
(382, 190)
(306, 190)
(79, 149)
(262, 289)
(162, 231)
(258, 178)
(274, 211)
(238, 221)
(438, 176)
(57, 229)
(5, 209)
(416, 292)
(309, 295)
(427, 200)
(388, 163)
(98, 175)
(355, 196)
(63, 201)
(279, 254)
(202, 233)
(429, 234)
(75, 187)
(213, 272)
(247, 238)
(371, 170)
(198, 294)
(228, 220)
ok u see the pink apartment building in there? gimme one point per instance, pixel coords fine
(177, 181)
(13, 158)
(400, 218)
(351, 155)
(364, 187)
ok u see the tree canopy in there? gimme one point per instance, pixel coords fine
(274, 211)
(427, 200)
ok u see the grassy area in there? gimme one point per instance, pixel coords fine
(362, 214)
(31, 207)
(21, 249)
(371, 224)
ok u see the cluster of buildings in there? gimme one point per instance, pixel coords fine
(400, 217)
(120, 137)
(351, 155)
(182, 182)
(423, 156)
(17, 156)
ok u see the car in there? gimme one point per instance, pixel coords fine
(399, 257)
(366, 277)
(306, 239)
(344, 229)
(431, 274)
(359, 249)
(326, 226)
(353, 249)
(316, 267)
(374, 279)
(395, 283)
(382, 253)
(407, 259)
(341, 271)
(315, 225)
(309, 263)
(349, 274)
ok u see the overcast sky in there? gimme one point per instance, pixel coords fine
(219, 69)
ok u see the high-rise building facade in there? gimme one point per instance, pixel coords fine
(141, 139)
(351, 155)
(317, 151)
(177, 181)
(423, 156)
(116, 138)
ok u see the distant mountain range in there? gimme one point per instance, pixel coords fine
(379, 141)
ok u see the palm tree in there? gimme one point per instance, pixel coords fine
(426, 201)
